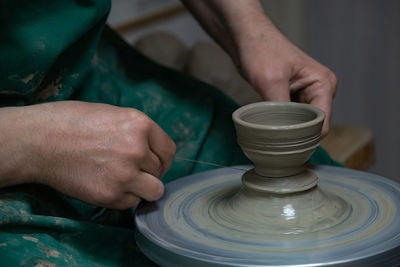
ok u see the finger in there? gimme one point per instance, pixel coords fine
(316, 87)
(146, 186)
(274, 88)
(300, 84)
(320, 98)
(162, 146)
(152, 164)
(325, 104)
(127, 201)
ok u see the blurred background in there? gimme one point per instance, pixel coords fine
(359, 40)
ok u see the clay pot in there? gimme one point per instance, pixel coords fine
(278, 137)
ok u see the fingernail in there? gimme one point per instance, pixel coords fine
(160, 189)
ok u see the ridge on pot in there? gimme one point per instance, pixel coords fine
(278, 137)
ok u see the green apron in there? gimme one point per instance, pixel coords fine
(59, 50)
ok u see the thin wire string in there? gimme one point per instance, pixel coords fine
(208, 163)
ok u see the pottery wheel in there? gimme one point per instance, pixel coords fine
(351, 218)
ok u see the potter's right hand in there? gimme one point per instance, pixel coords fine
(104, 155)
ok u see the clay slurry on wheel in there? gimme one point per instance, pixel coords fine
(280, 212)
(187, 224)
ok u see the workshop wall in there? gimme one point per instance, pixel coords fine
(360, 41)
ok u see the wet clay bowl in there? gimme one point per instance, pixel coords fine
(278, 137)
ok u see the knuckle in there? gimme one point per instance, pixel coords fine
(173, 147)
(133, 114)
(108, 198)
(266, 80)
(124, 176)
(329, 74)
(331, 79)
(334, 81)
(139, 153)
(171, 150)
(327, 82)
(274, 76)
(145, 126)
(119, 173)
(135, 119)
(143, 123)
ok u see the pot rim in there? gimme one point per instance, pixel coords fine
(320, 115)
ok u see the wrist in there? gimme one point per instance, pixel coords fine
(17, 162)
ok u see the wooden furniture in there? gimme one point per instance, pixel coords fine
(353, 146)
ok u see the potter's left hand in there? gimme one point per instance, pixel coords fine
(277, 69)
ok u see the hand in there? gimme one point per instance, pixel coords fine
(279, 71)
(104, 155)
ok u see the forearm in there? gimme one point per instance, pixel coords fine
(233, 23)
(15, 163)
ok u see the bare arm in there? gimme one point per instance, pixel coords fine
(15, 167)
(276, 68)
